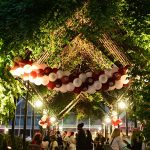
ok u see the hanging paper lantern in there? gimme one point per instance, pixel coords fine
(25, 77)
(111, 82)
(89, 74)
(59, 74)
(89, 80)
(42, 66)
(105, 86)
(103, 78)
(58, 83)
(47, 70)
(73, 76)
(118, 84)
(91, 90)
(116, 75)
(83, 77)
(123, 78)
(111, 88)
(77, 82)
(77, 90)
(40, 72)
(63, 88)
(51, 85)
(97, 85)
(126, 81)
(122, 71)
(114, 69)
(45, 80)
(96, 75)
(84, 87)
(70, 86)
(27, 68)
(65, 79)
(38, 80)
(35, 66)
(19, 71)
(33, 74)
(52, 77)
(55, 70)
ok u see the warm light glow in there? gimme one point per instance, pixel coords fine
(60, 128)
(100, 128)
(114, 113)
(107, 120)
(44, 112)
(122, 105)
(6, 130)
(38, 103)
(53, 119)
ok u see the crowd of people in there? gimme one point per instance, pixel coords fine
(83, 140)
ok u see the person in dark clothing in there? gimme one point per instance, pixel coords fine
(81, 138)
(59, 140)
(89, 140)
(136, 140)
(99, 141)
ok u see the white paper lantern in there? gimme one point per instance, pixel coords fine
(27, 68)
(103, 78)
(56, 89)
(52, 77)
(45, 80)
(70, 86)
(42, 66)
(111, 88)
(38, 80)
(25, 77)
(97, 85)
(35, 66)
(118, 84)
(59, 74)
(77, 82)
(89, 74)
(123, 78)
(63, 88)
(126, 81)
(83, 77)
(91, 90)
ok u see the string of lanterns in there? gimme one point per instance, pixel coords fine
(65, 81)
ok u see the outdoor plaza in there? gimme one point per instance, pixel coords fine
(74, 75)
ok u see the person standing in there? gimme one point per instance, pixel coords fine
(136, 140)
(65, 139)
(89, 140)
(59, 140)
(99, 141)
(72, 142)
(116, 141)
(81, 138)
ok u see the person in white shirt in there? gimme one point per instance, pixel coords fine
(54, 144)
(45, 143)
(72, 142)
(116, 141)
